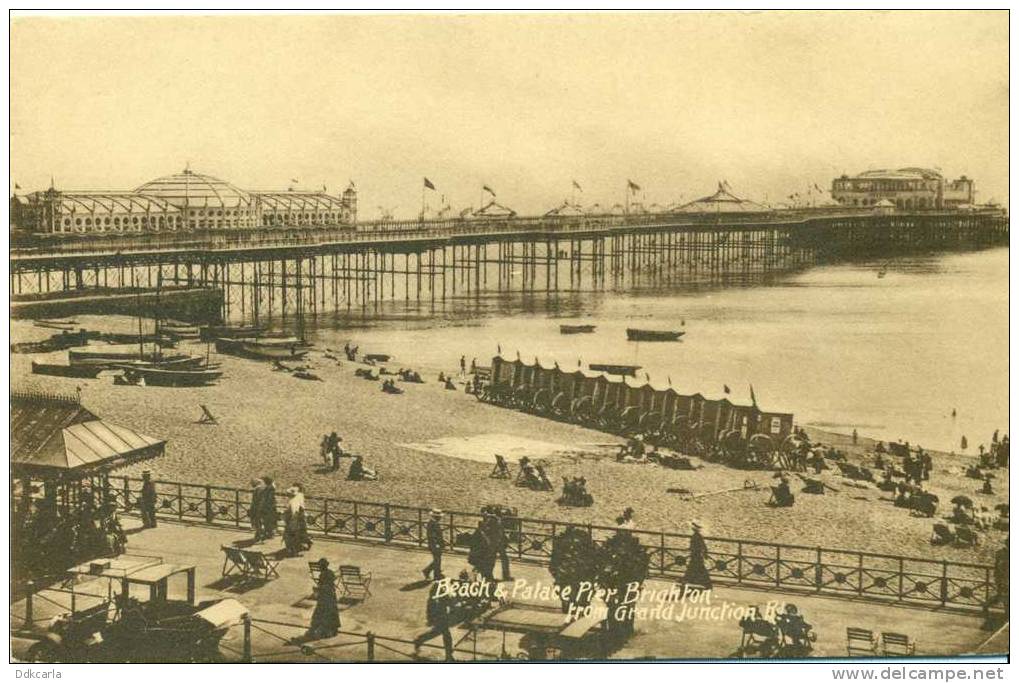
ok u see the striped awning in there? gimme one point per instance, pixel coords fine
(91, 445)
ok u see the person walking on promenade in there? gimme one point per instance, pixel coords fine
(463, 366)
(497, 534)
(696, 569)
(270, 517)
(855, 436)
(437, 615)
(433, 532)
(481, 555)
(295, 526)
(147, 501)
(325, 620)
(255, 513)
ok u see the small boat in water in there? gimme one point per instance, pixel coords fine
(633, 334)
(629, 370)
(169, 363)
(377, 357)
(162, 377)
(57, 370)
(576, 329)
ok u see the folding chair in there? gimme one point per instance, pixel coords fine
(897, 645)
(546, 484)
(860, 641)
(315, 572)
(261, 565)
(234, 562)
(207, 417)
(501, 469)
(356, 585)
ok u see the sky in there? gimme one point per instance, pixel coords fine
(771, 102)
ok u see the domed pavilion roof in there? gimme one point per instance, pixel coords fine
(196, 190)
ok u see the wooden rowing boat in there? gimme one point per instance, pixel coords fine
(633, 334)
(160, 377)
(57, 370)
(576, 329)
(289, 348)
(612, 369)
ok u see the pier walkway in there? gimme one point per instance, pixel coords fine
(395, 612)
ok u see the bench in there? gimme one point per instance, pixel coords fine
(579, 628)
(355, 583)
(860, 641)
(897, 645)
(501, 469)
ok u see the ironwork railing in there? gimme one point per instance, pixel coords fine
(847, 573)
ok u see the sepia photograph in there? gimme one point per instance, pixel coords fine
(509, 336)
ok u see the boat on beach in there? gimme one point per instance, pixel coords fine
(60, 370)
(209, 333)
(633, 334)
(612, 369)
(284, 348)
(97, 355)
(576, 329)
(164, 377)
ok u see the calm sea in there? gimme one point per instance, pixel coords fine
(838, 346)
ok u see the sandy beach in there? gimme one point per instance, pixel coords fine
(433, 447)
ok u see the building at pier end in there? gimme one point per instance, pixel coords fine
(905, 188)
(184, 201)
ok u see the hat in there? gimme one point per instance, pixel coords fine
(146, 473)
(323, 563)
(436, 512)
(696, 525)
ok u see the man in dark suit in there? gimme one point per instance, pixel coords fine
(437, 614)
(433, 533)
(147, 501)
(270, 516)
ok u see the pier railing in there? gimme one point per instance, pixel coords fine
(835, 572)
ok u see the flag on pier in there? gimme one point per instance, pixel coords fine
(489, 190)
(725, 387)
(818, 188)
(294, 180)
(753, 398)
(428, 184)
(577, 185)
(633, 187)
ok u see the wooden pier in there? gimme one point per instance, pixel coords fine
(293, 274)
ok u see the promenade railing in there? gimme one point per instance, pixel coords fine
(835, 572)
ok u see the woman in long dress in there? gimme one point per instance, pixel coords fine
(325, 620)
(696, 568)
(295, 527)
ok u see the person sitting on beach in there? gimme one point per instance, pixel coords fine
(389, 387)
(782, 495)
(442, 377)
(986, 488)
(449, 384)
(360, 472)
(880, 447)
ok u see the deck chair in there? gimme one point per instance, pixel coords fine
(355, 583)
(501, 469)
(966, 537)
(546, 483)
(262, 566)
(897, 645)
(860, 641)
(315, 571)
(942, 535)
(207, 417)
(234, 562)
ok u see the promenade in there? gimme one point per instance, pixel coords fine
(395, 612)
